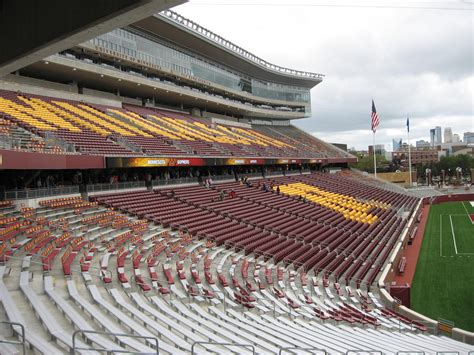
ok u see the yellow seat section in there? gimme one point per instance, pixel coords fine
(235, 136)
(219, 136)
(177, 127)
(224, 135)
(115, 121)
(87, 120)
(348, 206)
(18, 111)
(144, 124)
(264, 140)
(253, 138)
(188, 129)
(94, 118)
(270, 140)
(71, 117)
(48, 115)
(170, 128)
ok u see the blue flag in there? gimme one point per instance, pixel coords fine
(408, 124)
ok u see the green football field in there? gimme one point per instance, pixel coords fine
(443, 286)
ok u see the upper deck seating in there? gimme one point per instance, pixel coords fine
(133, 130)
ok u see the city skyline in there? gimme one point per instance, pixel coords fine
(413, 141)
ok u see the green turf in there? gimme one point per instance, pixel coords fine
(443, 286)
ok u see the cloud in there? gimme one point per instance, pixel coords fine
(412, 62)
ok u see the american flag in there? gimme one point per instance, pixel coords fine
(375, 118)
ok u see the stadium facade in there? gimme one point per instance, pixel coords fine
(165, 62)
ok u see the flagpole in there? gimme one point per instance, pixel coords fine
(409, 156)
(375, 158)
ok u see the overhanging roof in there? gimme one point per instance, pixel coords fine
(33, 30)
(182, 33)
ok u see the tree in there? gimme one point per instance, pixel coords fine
(367, 164)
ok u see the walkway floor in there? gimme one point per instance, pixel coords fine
(412, 251)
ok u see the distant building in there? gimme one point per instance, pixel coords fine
(418, 156)
(468, 137)
(469, 150)
(396, 144)
(438, 137)
(422, 144)
(340, 146)
(435, 136)
(448, 135)
(456, 138)
(379, 149)
(457, 148)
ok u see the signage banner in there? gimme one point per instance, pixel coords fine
(156, 162)
(144, 162)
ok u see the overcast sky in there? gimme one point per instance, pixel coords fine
(416, 62)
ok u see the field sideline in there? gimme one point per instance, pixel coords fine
(443, 286)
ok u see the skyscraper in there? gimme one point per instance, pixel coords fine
(396, 143)
(438, 135)
(448, 135)
(432, 136)
(435, 136)
(468, 137)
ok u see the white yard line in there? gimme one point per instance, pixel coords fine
(465, 209)
(468, 213)
(454, 237)
(440, 235)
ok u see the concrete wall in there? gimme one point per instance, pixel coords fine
(15, 160)
(34, 202)
(56, 90)
(401, 178)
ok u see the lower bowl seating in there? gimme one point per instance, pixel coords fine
(220, 278)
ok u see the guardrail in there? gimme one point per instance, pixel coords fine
(188, 180)
(311, 350)
(200, 343)
(115, 186)
(111, 351)
(37, 193)
(223, 177)
(22, 342)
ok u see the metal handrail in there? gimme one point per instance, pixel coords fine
(186, 180)
(22, 342)
(222, 344)
(115, 186)
(41, 192)
(181, 20)
(298, 348)
(224, 301)
(111, 351)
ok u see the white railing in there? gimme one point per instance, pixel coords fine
(196, 28)
(37, 193)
